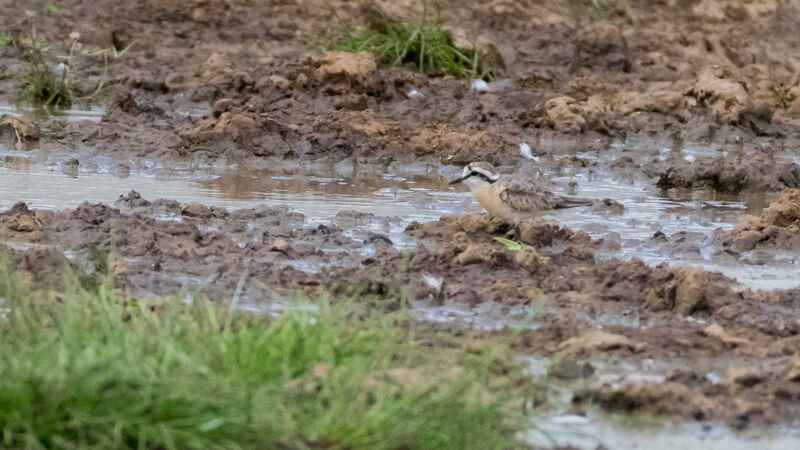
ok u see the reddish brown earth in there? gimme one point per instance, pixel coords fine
(715, 72)
(237, 82)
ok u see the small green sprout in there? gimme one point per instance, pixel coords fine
(510, 245)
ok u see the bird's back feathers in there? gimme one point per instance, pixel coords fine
(526, 196)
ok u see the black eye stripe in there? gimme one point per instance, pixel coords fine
(475, 173)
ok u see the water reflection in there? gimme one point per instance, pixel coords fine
(41, 114)
(688, 218)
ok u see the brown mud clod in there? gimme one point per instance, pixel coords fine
(776, 228)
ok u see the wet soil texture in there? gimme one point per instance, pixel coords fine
(241, 81)
(713, 352)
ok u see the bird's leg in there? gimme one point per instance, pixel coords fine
(517, 233)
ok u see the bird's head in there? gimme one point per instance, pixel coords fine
(477, 176)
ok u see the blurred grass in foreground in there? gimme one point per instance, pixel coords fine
(94, 369)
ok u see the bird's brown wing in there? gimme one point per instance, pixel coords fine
(529, 197)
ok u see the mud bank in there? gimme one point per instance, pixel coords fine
(159, 247)
(615, 330)
(619, 328)
(777, 228)
(237, 81)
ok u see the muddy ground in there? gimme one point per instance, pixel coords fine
(716, 353)
(240, 83)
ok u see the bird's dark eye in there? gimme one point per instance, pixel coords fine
(474, 173)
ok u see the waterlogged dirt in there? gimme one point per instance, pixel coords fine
(777, 227)
(241, 81)
(625, 336)
(675, 294)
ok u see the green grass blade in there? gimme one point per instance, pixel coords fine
(510, 245)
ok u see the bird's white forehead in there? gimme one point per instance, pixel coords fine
(469, 168)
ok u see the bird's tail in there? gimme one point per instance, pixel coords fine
(572, 202)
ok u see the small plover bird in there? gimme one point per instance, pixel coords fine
(509, 198)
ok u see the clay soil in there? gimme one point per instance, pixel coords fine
(240, 82)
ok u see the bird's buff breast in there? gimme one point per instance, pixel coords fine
(489, 198)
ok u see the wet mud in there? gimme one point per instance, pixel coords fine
(239, 82)
(613, 326)
(778, 227)
(679, 97)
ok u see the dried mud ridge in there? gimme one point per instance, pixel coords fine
(723, 355)
(236, 80)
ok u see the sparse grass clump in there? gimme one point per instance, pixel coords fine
(420, 42)
(5, 40)
(95, 369)
(52, 79)
(44, 84)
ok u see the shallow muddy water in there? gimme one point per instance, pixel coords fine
(55, 115)
(598, 429)
(688, 223)
(654, 227)
(319, 196)
(622, 433)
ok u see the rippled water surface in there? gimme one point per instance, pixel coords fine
(422, 195)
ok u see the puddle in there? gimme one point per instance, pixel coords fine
(388, 203)
(369, 200)
(689, 221)
(597, 429)
(53, 114)
(574, 431)
(488, 316)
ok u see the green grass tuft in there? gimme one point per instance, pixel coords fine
(98, 370)
(52, 8)
(52, 80)
(44, 86)
(421, 42)
(5, 40)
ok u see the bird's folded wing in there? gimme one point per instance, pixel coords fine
(528, 197)
(572, 202)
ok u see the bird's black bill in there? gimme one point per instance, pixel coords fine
(457, 180)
